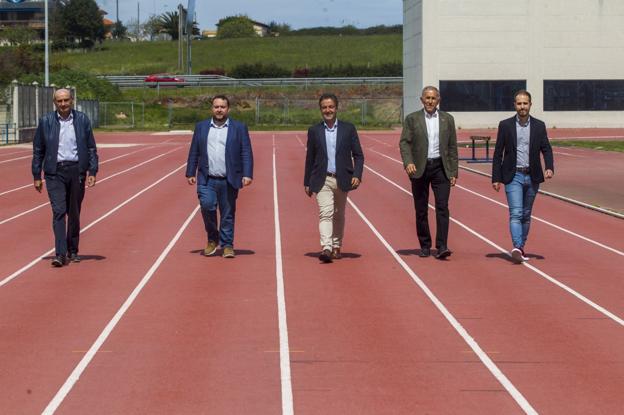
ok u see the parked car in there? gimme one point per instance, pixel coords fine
(163, 78)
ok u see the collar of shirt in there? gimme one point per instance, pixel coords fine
(225, 124)
(523, 125)
(333, 128)
(69, 117)
(434, 115)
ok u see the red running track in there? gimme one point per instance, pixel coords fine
(145, 324)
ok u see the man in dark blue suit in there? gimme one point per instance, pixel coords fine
(220, 161)
(64, 149)
(333, 167)
(517, 165)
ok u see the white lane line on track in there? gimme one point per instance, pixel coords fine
(568, 154)
(101, 162)
(84, 362)
(15, 159)
(2, 153)
(485, 359)
(107, 214)
(547, 277)
(287, 396)
(586, 239)
(99, 181)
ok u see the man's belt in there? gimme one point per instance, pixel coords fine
(523, 170)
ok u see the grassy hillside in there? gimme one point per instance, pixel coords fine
(127, 58)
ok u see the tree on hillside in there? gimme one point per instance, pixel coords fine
(18, 35)
(277, 29)
(152, 26)
(168, 23)
(79, 20)
(235, 27)
(119, 30)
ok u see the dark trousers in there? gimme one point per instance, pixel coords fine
(433, 176)
(66, 190)
(218, 193)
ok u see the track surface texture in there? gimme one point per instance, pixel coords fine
(147, 324)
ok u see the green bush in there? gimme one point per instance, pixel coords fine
(259, 70)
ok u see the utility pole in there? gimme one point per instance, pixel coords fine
(47, 48)
(181, 21)
(138, 21)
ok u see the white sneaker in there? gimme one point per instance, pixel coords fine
(516, 255)
(524, 257)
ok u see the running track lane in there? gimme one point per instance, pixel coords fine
(364, 339)
(36, 230)
(592, 267)
(202, 336)
(51, 316)
(559, 352)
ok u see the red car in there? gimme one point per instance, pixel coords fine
(163, 78)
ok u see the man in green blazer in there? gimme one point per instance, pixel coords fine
(429, 151)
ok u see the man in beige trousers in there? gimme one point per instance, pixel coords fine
(333, 167)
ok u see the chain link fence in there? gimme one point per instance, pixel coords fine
(367, 112)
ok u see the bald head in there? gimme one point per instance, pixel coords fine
(63, 102)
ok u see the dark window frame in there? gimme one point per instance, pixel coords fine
(479, 95)
(583, 94)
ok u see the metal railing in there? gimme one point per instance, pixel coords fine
(138, 81)
(8, 134)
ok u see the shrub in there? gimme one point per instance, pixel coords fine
(212, 71)
(259, 70)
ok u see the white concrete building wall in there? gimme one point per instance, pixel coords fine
(530, 40)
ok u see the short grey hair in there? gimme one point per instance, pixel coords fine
(430, 88)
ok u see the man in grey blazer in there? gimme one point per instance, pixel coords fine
(333, 167)
(429, 151)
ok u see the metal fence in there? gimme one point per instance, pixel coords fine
(8, 134)
(138, 81)
(288, 112)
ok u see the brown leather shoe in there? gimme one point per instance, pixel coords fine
(336, 253)
(228, 252)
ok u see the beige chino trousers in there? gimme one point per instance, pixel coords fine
(331, 202)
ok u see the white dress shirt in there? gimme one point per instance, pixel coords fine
(433, 134)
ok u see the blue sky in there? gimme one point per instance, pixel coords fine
(296, 13)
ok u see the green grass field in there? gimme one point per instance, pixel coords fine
(289, 52)
(615, 145)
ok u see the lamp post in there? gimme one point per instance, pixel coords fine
(46, 47)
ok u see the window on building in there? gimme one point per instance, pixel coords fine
(479, 95)
(584, 95)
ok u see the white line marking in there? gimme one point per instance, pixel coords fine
(558, 196)
(2, 153)
(287, 396)
(99, 181)
(584, 299)
(110, 212)
(299, 139)
(84, 362)
(616, 251)
(568, 154)
(15, 159)
(101, 162)
(485, 359)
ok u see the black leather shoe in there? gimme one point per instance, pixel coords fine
(443, 253)
(75, 258)
(325, 256)
(424, 252)
(59, 261)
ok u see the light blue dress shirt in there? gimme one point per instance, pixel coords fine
(67, 149)
(217, 137)
(523, 133)
(331, 135)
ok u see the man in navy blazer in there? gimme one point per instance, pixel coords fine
(517, 165)
(333, 167)
(220, 161)
(64, 149)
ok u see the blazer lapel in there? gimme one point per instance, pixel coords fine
(442, 132)
(514, 134)
(321, 137)
(423, 127)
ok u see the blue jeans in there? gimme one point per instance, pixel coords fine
(218, 192)
(521, 194)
